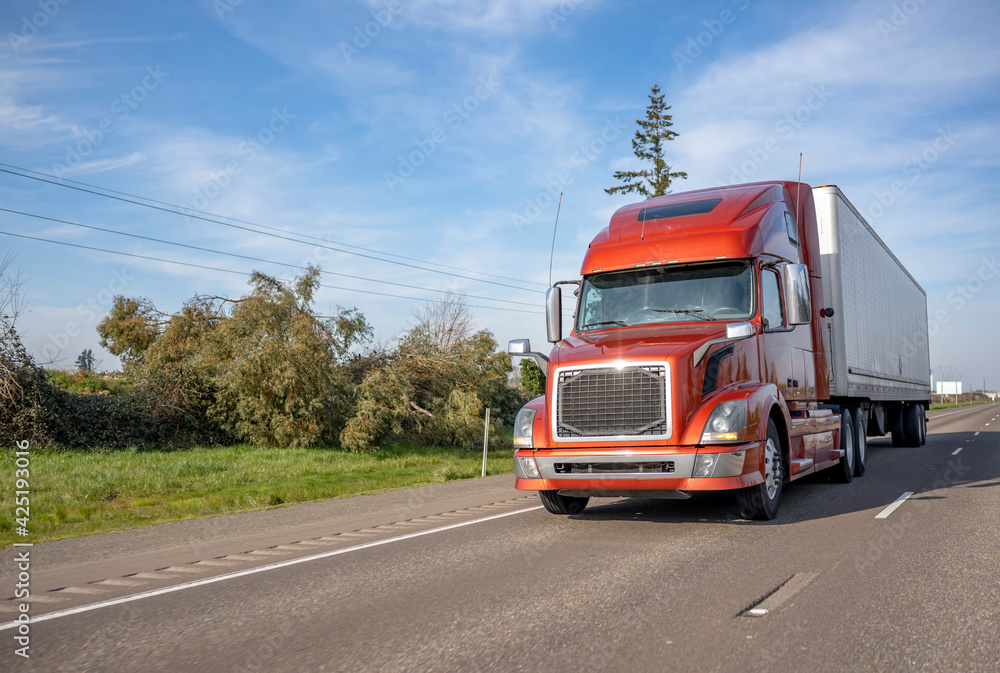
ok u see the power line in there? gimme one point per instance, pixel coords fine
(264, 226)
(247, 257)
(244, 273)
(264, 233)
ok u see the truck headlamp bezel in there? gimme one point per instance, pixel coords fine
(727, 424)
(524, 424)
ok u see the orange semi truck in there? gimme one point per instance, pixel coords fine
(727, 339)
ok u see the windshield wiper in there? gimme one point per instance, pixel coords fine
(693, 311)
(604, 322)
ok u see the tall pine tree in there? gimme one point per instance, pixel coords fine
(654, 131)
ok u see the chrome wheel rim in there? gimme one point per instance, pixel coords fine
(772, 469)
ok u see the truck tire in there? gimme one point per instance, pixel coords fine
(897, 426)
(913, 425)
(762, 501)
(844, 470)
(860, 441)
(562, 504)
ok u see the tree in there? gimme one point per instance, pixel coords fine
(264, 368)
(85, 362)
(279, 382)
(648, 145)
(130, 328)
(436, 385)
(532, 378)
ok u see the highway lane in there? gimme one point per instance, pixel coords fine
(631, 584)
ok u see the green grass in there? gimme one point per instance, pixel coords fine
(952, 405)
(75, 493)
(88, 383)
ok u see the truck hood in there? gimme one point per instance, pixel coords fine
(646, 342)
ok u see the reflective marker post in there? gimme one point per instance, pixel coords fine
(486, 438)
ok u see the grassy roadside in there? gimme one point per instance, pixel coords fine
(75, 493)
(952, 405)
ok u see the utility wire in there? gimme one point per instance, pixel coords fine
(253, 259)
(264, 226)
(264, 233)
(244, 273)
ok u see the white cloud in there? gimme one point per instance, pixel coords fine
(491, 16)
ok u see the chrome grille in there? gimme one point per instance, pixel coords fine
(658, 467)
(612, 402)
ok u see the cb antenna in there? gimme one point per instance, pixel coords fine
(553, 252)
(798, 187)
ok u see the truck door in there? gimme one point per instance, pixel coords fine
(776, 355)
(781, 364)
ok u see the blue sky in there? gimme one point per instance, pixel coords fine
(439, 130)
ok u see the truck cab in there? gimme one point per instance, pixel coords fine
(697, 359)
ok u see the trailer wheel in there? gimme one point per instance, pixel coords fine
(762, 501)
(844, 471)
(562, 504)
(860, 442)
(913, 425)
(897, 426)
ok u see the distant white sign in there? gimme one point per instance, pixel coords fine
(949, 388)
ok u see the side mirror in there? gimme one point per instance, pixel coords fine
(522, 348)
(519, 347)
(553, 314)
(798, 303)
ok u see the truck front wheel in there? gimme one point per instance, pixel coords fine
(562, 504)
(762, 501)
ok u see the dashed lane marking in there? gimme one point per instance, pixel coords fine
(884, 514)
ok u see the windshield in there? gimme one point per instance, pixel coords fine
(680, 293)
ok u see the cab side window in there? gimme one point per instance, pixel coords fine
(771, 308)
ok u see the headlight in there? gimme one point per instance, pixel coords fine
(727, 423)
(523, 425)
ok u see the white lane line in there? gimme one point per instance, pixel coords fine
(251, 571)
(956, 451)
(884, 514)
(976, 435)
(950, 413)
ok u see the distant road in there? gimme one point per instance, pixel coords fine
(897, 571)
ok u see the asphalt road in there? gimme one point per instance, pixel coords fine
(474, 576)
